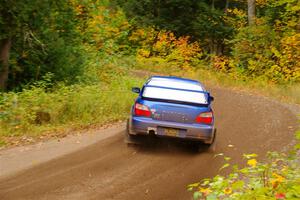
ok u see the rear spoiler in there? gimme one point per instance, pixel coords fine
(176, 95)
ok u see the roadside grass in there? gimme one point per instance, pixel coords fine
(38, 111)
(286, 93)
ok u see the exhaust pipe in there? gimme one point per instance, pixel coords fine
(152, 131)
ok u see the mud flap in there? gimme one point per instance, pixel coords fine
(207, 146)
(212, 141)
(211, 146)
(128, 138)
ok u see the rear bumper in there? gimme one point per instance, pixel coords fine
(197, 132)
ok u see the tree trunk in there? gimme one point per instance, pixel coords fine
(220, 47)
(251, 12)
(156, 8)
(5, 45)
(298, 24)
(226, 6)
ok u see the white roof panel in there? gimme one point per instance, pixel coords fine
(175, 84)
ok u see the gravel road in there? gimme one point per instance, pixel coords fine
(107, 169)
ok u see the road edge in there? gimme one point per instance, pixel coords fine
(17, 159)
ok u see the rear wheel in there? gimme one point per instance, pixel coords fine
(211, 146)
(129, 139)
(207, 146)
(212, 141)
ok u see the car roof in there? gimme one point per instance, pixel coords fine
(175, 82)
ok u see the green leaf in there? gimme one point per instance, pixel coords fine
(238, 185)
(193, 185)
(235, 168)
(197, 195)
(227, 158)
(298, 135)
(248, 156)
(205, 182)
(211, 197)
(244, 170)
(297, 146)
(224, 166)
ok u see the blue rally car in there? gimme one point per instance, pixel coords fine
(172, 107)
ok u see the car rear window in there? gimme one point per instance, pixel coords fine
(175, 95)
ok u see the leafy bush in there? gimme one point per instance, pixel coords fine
(252, 51)
(35, 110)
(257, 53)
(169, 50)
(276, 178)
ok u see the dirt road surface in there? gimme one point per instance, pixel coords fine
(108, 169)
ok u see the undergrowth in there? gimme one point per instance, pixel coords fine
(39, 109)
(278, 177)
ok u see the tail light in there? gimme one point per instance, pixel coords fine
(205, 118)
(142, 110)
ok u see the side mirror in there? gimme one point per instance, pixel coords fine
(211, 98)
(136, 90)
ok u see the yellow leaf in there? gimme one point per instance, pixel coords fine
(205, 191)
(278, 177)
(252, 162)
(227, 191)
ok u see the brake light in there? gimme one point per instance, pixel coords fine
(142, 110)
(205, 118)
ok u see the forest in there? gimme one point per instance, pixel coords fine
(245, 39)
(66, 64)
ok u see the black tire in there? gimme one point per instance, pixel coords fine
(213, 139)
(129, 139)
(212, 146)
(204, 147)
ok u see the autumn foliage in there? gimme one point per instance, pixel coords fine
(165, 47)
(276, 178)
